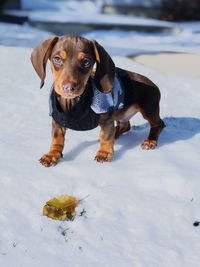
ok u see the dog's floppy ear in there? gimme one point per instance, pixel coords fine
(40, 56)
(105, 71)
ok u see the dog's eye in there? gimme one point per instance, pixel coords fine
(86, 62)
(57, 59)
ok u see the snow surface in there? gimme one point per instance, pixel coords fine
(187, 40)
(140, 3)
(77, 5)
(67, 16)
(141, 207)
(179, 37)
(17, 35)
(91, 6)
(115, 41)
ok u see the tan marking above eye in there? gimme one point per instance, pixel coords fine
(81, 55)
(63, 54)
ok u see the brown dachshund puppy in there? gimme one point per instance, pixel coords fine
(82, 99)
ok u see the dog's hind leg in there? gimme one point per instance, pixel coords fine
(156, 126)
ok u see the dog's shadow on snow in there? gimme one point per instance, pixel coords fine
(177, 128)
(75, 151)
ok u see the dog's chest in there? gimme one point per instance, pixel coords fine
(79, 117)
(85, 114)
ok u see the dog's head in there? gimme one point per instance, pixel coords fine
(72, 59)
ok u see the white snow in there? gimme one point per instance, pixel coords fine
(141, 207)
(17, 35)
(176, 37)
(66, 16)
(59, 5)
(186, 40)
(140, 3)
(117, 42)
(78, 4)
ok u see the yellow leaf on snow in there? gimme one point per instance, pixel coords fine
(61, 208)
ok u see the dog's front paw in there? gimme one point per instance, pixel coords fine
(148, 144)
(50, 159)
(103, 156)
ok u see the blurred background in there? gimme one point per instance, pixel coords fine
(126, 27)
(173, 10)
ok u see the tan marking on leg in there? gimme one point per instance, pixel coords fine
(56, 148)
(107, 138)
(156, 125)
(148, 144)
(105, 152)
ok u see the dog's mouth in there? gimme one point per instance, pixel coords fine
(68, 91)
(68, 94)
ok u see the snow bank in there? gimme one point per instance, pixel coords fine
(17, 35)
(140, 3)
(141, 207)
(115, 41)
(132, 42)
(73, 6)
(68, 16)
(182, 64)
